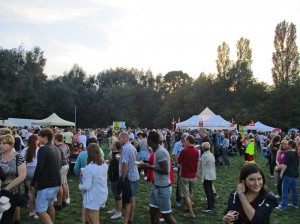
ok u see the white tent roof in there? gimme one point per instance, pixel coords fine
(259, 127)
(209, 119)
(17, 122)
(54, 120)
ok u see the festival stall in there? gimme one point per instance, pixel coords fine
(53, 120)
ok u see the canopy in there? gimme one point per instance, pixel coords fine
(293, 130)
(209, 119)
(54, 120)
(258, 126)
(6, 123)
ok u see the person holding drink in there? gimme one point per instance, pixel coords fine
(251, 202)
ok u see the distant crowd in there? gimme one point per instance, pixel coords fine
(38, 161)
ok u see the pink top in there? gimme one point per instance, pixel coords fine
(280, 156)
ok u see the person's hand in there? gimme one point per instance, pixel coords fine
(241, 187)
(144, 165)
(228, 218)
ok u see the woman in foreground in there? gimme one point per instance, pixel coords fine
(251, 202)
(94, 184)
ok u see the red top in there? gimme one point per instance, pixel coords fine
(188, 159)
(150, 177)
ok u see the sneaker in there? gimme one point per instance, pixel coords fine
(145, 178)
(208, 210)
(175, 169)
(162, 220)
(293, 206)
(178, 204)
(113, 211)
(117, 215)
(204, 198)
(216, 195)
(142, 172)
(277, 196)
(33, 215)
(68, 200)
(280, 207)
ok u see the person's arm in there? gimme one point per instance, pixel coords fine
(283, 168)
(277, 156)
(248, 209)
(18, 180)
(86, 180)
(124, 170)
(77, 166)
(162, 169)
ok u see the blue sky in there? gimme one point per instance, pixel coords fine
(163, 35)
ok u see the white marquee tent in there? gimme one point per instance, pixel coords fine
(258, 126)
(209, 119)
(54, 120)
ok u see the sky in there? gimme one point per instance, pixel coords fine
(160, 35)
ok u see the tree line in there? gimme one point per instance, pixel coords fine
(141, 98)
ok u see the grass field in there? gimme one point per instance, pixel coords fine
(227, 178)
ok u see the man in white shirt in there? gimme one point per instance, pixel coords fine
(82, 139)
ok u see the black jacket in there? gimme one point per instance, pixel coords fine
(47, 172)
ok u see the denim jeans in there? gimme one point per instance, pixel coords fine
(289, 182)
(279, 184)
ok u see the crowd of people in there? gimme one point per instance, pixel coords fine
(41, 159)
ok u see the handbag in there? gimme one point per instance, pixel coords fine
(21, 199)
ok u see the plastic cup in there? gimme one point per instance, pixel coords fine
(118, 156)
(233, 213)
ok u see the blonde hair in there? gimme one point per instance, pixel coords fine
(5, 131)
(205, 146)
(7, 139)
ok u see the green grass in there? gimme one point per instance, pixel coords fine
(226, 181)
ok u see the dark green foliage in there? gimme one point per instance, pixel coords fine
(146, 100)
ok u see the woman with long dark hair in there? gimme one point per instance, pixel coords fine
(251, 202)
(30, 155)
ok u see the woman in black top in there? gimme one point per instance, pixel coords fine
(251, 200)
(290, 174)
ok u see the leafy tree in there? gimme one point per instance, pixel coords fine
(244, 52)
(286, 56)
(223, 61)
(174, 80)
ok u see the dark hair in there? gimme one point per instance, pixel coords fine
(118, 145)
(80, 144)
(31, 150)
(154, 137)
(293, 145)
(226, 135)
(59, 137)
(91, 140)
(276, 138)
(144, 135)
(191, 139)
(249, 169)
(94, 154)
(48, 133)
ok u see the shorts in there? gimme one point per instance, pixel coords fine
(45, 198)
(30, 172)
(133, 187)
(114, 188)
(186, 186)
(161, 198)
(63, 172)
